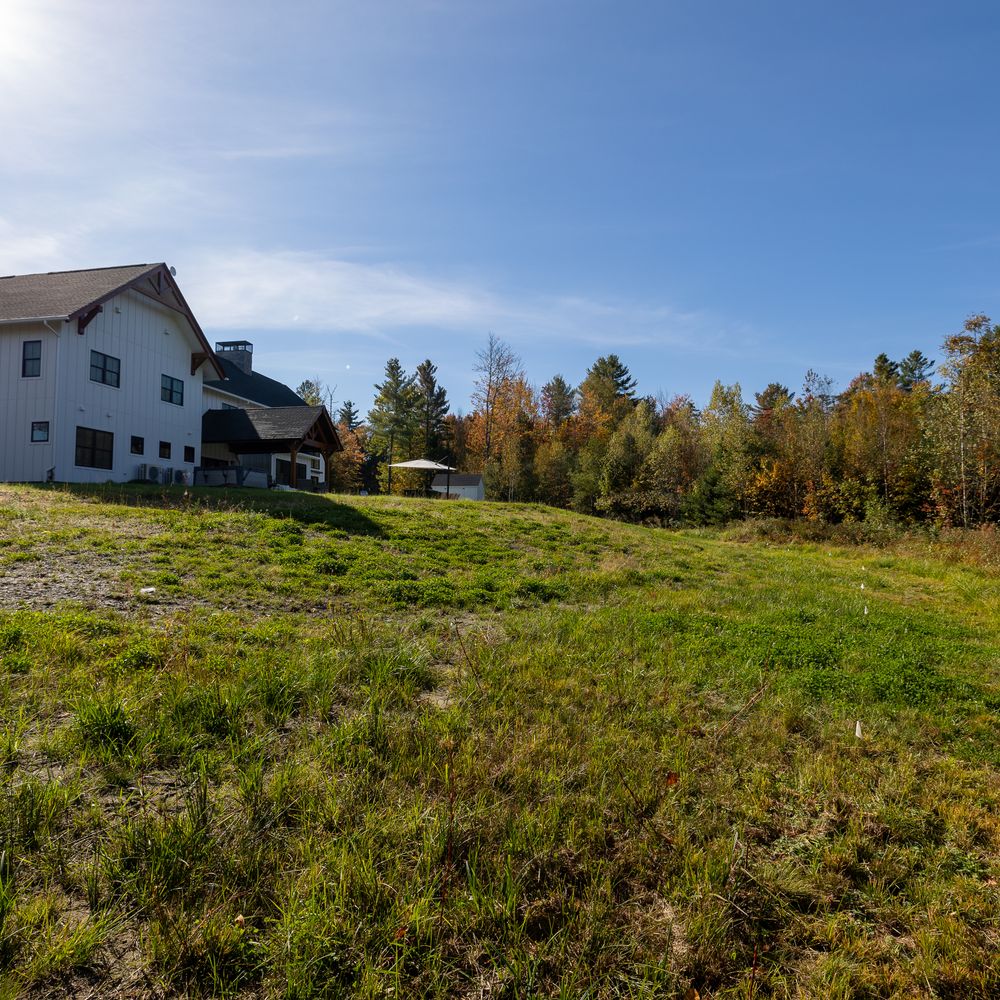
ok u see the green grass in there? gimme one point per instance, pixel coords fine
(381, 747)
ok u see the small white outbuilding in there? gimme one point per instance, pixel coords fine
(466, 486)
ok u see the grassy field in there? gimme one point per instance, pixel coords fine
(391, 748)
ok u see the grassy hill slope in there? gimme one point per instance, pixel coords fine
(385, 747)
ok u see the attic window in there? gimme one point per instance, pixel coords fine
(171, 390)
(105, 369)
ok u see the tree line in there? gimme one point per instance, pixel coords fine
(904, 441)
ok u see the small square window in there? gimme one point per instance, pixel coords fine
(171, 390)
(39, 431)
(31, 359)
(164, 449)
(138, 445)
(189, 453)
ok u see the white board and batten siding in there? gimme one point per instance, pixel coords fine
(465, 486)
(149, 340)
(24, 401)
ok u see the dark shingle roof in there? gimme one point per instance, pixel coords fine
(65, 294)
(259, 426)
(62, 294)
(255, 387)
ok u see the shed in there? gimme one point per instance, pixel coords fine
(466, 485)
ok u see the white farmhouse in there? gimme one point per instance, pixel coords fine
(100, 370)
(105, 375)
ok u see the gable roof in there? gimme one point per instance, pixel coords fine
(255, 387)
(264, 428)
(67, 295)
(63, 294)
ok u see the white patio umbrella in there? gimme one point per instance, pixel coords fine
(429, 466)
(422, 463)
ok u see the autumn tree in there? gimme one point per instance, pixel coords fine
(514, 417)
(814, 408)
(553, 466)
(967, 431)
(728, 440)
(775, 487)
(346, 467)
(621, 491)
(676, 461)
(497, 366)
(608, 390)
(316, 392)
(457, 428)
(878, 430)
(511, 476)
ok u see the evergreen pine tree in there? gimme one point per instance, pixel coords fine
(609, 386)
(914, 368)
(558, 401)
(393, 417)
(886, 372)
(433, 407)
(348, 415)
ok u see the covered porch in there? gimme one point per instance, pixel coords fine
(291, 433)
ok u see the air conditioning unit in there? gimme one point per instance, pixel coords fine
(153, 474)
(180, 477)
(142, 472)
(166, 476)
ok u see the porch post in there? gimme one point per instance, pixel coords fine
(293, 474)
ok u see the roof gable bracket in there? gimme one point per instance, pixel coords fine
(198, 358)
(84, 321)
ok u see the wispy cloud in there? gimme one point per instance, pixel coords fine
(253, 290)
(267, 291)
(182, 147)
(293, 152)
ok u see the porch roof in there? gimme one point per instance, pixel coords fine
(269, 429)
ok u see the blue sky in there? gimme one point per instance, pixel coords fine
(711, 190)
